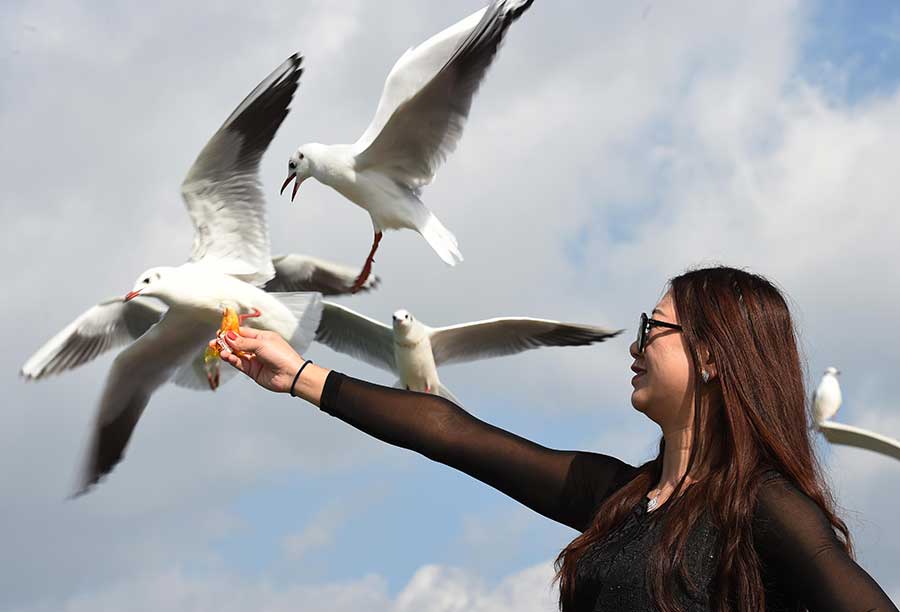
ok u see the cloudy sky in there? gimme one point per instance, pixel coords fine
(611, 146)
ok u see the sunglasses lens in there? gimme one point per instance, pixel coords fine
(642, 332)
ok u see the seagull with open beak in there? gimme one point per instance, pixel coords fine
(418, 123)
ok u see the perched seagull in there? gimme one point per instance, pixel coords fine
(827, 396)
(413, 351)
(418, 123)
(826, 402)
(230, 262)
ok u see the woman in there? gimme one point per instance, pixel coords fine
(732, 514)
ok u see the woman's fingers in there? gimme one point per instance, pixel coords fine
(249, 332)
(234, 360)
(247, 344)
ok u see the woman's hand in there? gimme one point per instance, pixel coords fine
(269, 360)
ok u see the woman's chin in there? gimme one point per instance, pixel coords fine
(638, 401)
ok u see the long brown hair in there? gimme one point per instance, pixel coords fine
(742, 322)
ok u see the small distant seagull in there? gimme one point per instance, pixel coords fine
(827, 396)
(418, 123)
(413, 351)
(826, 402)
(229, 264)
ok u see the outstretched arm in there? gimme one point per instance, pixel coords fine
(795, 540)
(566, 486)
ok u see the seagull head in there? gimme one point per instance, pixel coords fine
(155, 282)
(298, 170)
(403, 321)
(832, 371)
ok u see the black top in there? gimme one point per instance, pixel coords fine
(803, 561)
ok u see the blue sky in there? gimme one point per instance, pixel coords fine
(609, 148)
(853, 48)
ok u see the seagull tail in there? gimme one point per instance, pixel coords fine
(440, 390)
(446, 394)
(441, 240)
(306, 307)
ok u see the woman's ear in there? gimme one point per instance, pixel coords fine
(709, 371)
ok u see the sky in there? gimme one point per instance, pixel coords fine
(611, 147)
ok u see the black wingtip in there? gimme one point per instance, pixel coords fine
(74, 495)
(84, 487)
(296, 61)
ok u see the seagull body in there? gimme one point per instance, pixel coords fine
(171, 312)
(417, 124)
(413, 354)
(200, 292)
(413, 351)
(826, 402)
(827, 397)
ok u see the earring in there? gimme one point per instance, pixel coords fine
(704, 375)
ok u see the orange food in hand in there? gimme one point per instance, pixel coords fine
(231, 322)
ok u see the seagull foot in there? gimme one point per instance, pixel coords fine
(213, 378)
(367, 267)
(362, 278)
(251, 315)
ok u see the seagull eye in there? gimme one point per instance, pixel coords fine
(301, 156)
(292, 165)
(146, 281)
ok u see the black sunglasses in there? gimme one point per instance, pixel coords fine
(644, 330)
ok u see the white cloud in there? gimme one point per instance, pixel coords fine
(432, 588)
(441, 589)
(319, 531)
(176, 591)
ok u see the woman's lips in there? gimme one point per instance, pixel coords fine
(638, 373)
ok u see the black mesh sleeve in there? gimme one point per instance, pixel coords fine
(566, 486)
(801, 552)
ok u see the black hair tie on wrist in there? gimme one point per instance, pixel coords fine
(297, 375)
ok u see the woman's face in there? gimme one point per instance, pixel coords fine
(664, 378)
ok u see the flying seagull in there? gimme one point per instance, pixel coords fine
(229, 264)
(413, 351)
(418, 123)
(826, 402)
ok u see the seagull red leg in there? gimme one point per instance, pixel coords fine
(367, 267)
(213, 377)
(249, 315)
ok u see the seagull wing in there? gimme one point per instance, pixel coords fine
(107, 325)
(222, 189)
(136, 373)
(304, 273)
(356, 335)
(507, 336)
(848, 435)
(428, 94)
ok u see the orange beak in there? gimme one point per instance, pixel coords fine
(287, 182)
(131, 295)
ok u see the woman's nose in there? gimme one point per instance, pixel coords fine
(633, 350)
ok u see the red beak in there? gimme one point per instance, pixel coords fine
(131, 295)
(287, 182)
